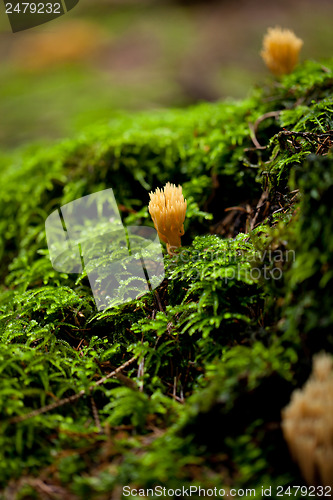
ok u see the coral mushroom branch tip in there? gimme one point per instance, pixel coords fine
(167, 208)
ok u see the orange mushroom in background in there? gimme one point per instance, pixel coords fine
(167, 208)
(65, 43)
(280, 51)
(307, 424)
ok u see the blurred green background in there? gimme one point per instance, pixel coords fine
(106, 56)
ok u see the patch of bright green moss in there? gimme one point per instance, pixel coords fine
(214, 343)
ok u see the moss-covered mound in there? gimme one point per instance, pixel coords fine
(200, 368)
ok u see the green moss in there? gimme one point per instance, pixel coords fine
(219, 348)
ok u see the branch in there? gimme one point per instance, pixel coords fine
(72, 398)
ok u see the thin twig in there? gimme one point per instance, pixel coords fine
(113, 374)
(141, 371)
(158, 300)
(254, 137)
(240, 209)
(263, 201)
(95, 414)
(72, 398)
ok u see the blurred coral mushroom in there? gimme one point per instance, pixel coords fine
(167, 208)
(280, 51)
(66, 43)
(307, 424)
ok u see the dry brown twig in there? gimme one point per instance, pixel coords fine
(263, 202)
(254, 127)
(72, 398)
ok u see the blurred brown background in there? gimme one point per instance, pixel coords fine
(109, 56)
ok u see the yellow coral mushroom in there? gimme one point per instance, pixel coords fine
(280, 51)
(167, 208)
(307, 424)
